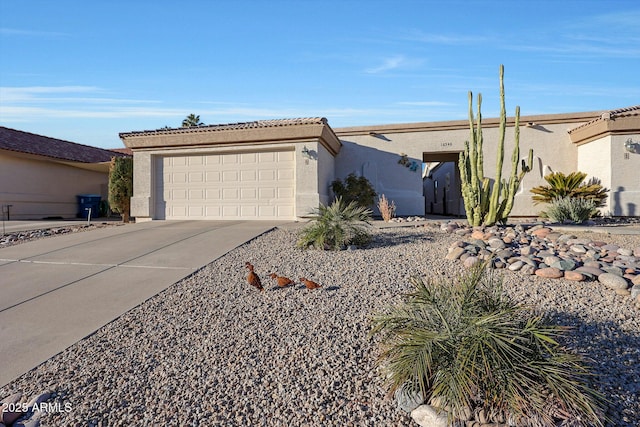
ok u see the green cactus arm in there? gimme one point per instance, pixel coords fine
(479, 141)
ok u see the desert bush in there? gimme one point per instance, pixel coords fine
(468, 347)
(354, 189)
(121, 185)
(574, 209)
(387, 209)
(572, 185)
(337, 226)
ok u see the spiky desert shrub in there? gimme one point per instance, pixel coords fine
(387, 209)
(468, 347)
(354, 189)
(336, 226)
(574, 209)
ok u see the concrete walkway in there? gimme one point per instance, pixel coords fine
(56, 291)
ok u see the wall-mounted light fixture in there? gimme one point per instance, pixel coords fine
(306, 153)
(632, 147)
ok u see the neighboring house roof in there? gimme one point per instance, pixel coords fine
(231, 126)
(124, 150)
(29, 143)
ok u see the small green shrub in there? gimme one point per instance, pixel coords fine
(468, 347)
(354, 189)
(336, 226)
(574, 209)
(121, 185)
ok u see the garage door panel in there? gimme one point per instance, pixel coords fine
(267, 175)
(266, 157)
(267, 192)
(258, 185)
(230, 159)
(248, 158)
(285, 193)
(249, 194)
(196, 194)
(285, 174)
(196, 211)
(212, 176)
(285, 212)
(248, 175)
(286, 156)
(230, 176)
(213, 194)
(230, 194)
(195, 160)
(195, 176)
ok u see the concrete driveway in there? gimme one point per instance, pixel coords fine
(58, 290)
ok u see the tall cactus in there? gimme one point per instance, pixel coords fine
(485, 202)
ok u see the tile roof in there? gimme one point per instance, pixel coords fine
(231, 126)
(25, 142)
(612, 115)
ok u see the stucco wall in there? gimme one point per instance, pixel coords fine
(39, 188)
(624, 196)
(379, 164)
(326, 174)
(594, 159)
(378, 157)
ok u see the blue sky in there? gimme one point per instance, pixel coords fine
(86, 70)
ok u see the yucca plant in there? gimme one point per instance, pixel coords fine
(571, 185)
(468, 347)
(336, 226)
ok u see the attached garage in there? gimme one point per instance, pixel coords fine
(246, 185)
(264, 170)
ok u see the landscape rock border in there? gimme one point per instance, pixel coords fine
(539, 250)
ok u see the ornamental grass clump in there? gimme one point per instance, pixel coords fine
(337, 226)
(465, 348)
(570, 209)
(387, 209)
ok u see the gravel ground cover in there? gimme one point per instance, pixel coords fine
(17, 237)
(212, 350)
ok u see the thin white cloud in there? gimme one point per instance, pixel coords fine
(445, 39)
(29, 93)
(394, 63)
(30, 33)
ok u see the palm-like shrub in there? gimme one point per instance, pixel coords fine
(574, 209)
(571, 185)
(337, 226)
(469, 348)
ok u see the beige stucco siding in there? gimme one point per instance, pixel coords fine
(594, 159)
(39, 188)
(625, 170)
(552, 147)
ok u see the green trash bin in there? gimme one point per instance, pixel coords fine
(86, 202)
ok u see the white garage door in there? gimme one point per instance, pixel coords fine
(258, 185)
